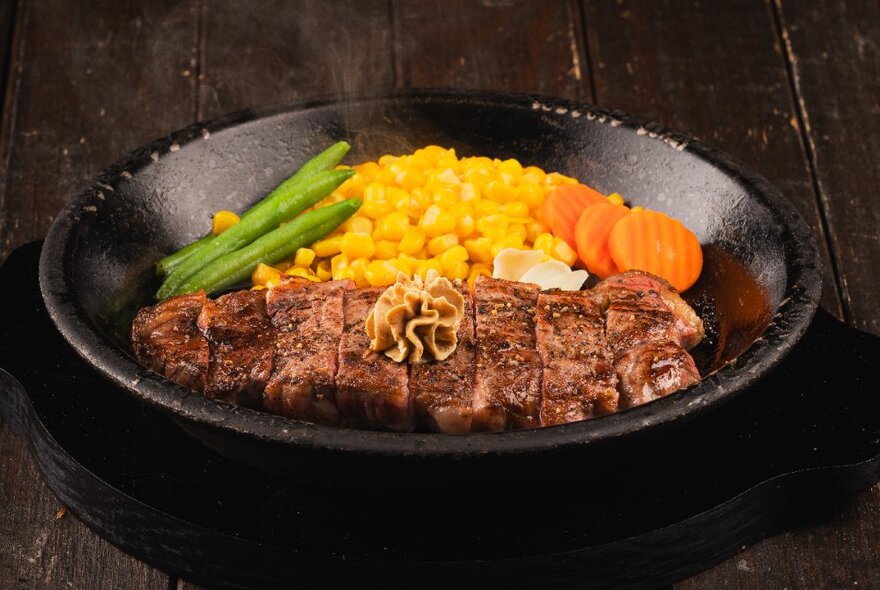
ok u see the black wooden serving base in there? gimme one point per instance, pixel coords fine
(806, 436)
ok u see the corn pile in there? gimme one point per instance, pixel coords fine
(427, 210)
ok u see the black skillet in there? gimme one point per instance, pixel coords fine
(761, 274)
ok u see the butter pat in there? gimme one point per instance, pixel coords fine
(415, 320)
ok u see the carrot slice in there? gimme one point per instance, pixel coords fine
(591, 235)
(658, 244)
(564, 204)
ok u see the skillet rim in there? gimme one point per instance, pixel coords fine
(787, 326)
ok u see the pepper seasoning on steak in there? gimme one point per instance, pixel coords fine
(507, 386)
(165, 338)
(371, 389)
(308, 321)
(578, 381)
(242, 341)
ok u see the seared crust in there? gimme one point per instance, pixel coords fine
(371, 389)
(443, 391)
(507, 387)
(165, 338)
(242, 341)
(308, 321)
(578, 377)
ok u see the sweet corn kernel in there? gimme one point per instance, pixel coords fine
(222, 221)
(636, 209)
(380, 273)
(480, 249)
(534, 229)
(338, 262)
(562, 251)
(386, 249)
(544, 242)
(343, 274)
(265, 275)
(328, 246)
(304, 257)
(452, 256)
(436, 221)
(486, 207)
(412, 241)
(465, 226)
(442, 243)
(429, 264)
(478, 269)
(530, 194)
(359, 266)
(323, 270)
(493, 226)
(506, 242)
(358, 225)
(357, 245)
(393, 226)
(615, 198)
(459, 270)
(499, 192)
(517, 209)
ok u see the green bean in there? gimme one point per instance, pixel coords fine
(235, 267)
(264, 217)
(323, 161)
(169, 263)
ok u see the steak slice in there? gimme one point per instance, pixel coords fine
(648, 327)
(242, 341)
(578, 377)
(443, 391)
(165, 338)
(507, 383)
(664, 313)
(371, 389)
(653, 370)
(307, 318)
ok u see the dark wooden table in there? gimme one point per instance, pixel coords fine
(790, 87)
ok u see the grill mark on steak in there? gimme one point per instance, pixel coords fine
(507, 384)
(307, 318)
(648, 328)
(443, 391)
(578, 380)
(242, 340)
(166, 339)
(371, 389)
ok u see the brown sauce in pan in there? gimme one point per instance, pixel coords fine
(734, 307)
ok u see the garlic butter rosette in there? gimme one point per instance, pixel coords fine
(416, 320)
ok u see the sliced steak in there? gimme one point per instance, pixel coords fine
(648, 327)
(578, 377)
(307, 318)
(653, 370)
(635, 292)
(443, 391)
(371, 389)
(165, 338)
(242, 342)
(507, 384)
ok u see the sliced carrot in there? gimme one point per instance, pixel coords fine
(564, 204)
(658, 244)
(591, 235)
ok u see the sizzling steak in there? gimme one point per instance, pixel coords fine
(524, 358)
(308, 324)
(507, 387)
(371, 389)
(648, 327)
(442, 391)
(241, 340)
(165, 338)
(579, 380)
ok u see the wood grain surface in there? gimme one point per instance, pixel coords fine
(791, 88)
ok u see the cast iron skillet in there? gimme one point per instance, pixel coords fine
(96, 268)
